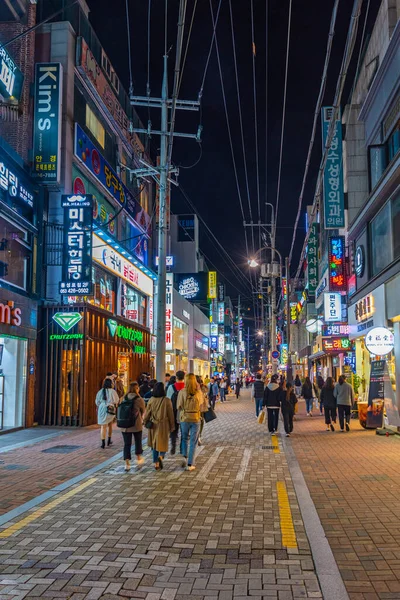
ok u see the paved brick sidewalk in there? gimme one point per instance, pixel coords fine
(212, 534)
(354, 481)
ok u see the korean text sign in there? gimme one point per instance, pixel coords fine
(169, 311)
(77, 253)
(11, 78)
(47, 123)
(332, 307)
(312, 260)
(333, 174)
(337, 264)
(336, 344)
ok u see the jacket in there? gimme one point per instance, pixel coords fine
(272, 396)
(213, 389)
(186, 416)
(287, 405)
(297, 381)
(103, 417)
(327, 397)
(344, 394)
(258, 389)
(306, 391)
(119, 388)
(139, 408)
(159, 410)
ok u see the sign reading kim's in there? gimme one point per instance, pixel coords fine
(11, 78)
(77, 251)
(9, 314)
(47, 123)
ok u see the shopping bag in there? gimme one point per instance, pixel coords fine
(209, 415)
(261, 417)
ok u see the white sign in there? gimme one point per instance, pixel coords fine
(332, 307)
(186, 314)
(109, 258)
(221, 312)
(221, 343)
(169, 311)
(151, 314)
(9, 182)
(379, 341)
(169, 261)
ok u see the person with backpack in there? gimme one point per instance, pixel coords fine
(160, 422)
(178, 383)
(106, 401)
(258, 393)
(213, 390)
(307, 393)
(130, 420)
(288, 403)
(190, 407)
(297, 385)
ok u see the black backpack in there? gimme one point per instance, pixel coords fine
(125, 414)
(174, 400)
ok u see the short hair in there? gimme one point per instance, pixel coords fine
(258, 376)
(159, 390)
(167, 375)
(274, 378)
(180, 375)
(133, 387)
(108, 374)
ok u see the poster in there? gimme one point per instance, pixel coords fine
(381, 395)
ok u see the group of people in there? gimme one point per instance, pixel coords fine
(274, 397)
(166, 409)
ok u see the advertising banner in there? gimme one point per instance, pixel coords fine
(193, 286)
(212, 285)
(186, 228)
(332, 307)
(103, 211)
(15, 190)
(47, 95)
(337, 264)
(169, 312)
(11, 78)
(312, 260)
(333, 174)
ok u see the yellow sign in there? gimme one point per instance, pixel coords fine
(212, 284)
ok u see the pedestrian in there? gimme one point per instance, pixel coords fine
(172, 393)
(288, 403)
(203, 389)
(272, 402)
(149, 394)
(206, 380)
(307, 393)
(297, 385)
(166, 380)
(159, 420)
(106, 401)
(212, 392)
(190, 407)
(344, 395)
(133, 408)
(119, 385)
(329, 403)
(110, 376)
(145, 387)
(257, 393)
(222, 389)
(238, 385)
(318, 388)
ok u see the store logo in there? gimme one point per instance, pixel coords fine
(359, 261)
(10, 315)
(66, 336)
(112, 326)
(67, 320)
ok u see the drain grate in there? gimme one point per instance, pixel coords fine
(16, 468)
(269, 447)
(61, 449)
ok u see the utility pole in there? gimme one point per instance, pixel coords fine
(289, 374)
(248, 349)
(238, 343)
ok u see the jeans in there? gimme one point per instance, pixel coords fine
(297, 389)
(344, 411)
(191, 430)
(309, 405)
(273, 419)
(157, 454)
(174, 438)
(259, 404)
(222, 394)
(128, 443)
(330, 414)
(288, 420)
(212, 400)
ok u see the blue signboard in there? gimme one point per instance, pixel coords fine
(11, 78)
(91, 158)
(333, 174)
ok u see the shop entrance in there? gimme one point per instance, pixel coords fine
(13, 362)
(123, 368)
(70, 362)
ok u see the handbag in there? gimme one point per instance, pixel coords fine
(261, 417)
(149, 424)
(209, 415)
(111, 409)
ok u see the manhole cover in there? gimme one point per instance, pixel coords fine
(61, 449)
(16, 467)
(269, 447)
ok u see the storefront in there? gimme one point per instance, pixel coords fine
(201, 360)
(79, 345)
(18, 316)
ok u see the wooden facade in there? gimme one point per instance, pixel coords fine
(72, 370)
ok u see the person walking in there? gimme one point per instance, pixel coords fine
(328, 401)
(288, 403)
(159, 420)
(135, 406)
(190, 407)
(317, 388)
(297, 385)
(257, 393)
(307, 393)
(119, 386)
(203, 389)
(145, 387)
(344, 395)
(238, 385)
(212, 392)
(178, 383)
(272, 402)
(106, 401)
(223, 389)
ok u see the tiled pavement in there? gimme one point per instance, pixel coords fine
(171, 535)
(354, 481)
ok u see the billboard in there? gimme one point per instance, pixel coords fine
(333, 173)
(337, 264)
(193, 286)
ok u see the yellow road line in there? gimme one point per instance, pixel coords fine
(275, 444)
(289, 539)
(44, 509)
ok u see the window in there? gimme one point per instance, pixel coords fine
(381, 240)
(15, 254)
(133, 305)
(396, 226)
(95, 127)
(377, 163)
(393, 142)
(104, 289)
(180, 335)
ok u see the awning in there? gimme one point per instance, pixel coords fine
(319, 354)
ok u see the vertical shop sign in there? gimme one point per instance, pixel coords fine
(221, 313)
(212, 285)
(333, 174)
(169, 311)
(221, 292)
(47, 123)
(11, 78)
(312, 260)
(77, 250)
(337, 264)
(293, 313)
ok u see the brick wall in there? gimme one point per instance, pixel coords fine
(18, 133)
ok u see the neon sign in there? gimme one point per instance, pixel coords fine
(336, 344)
(337, 264)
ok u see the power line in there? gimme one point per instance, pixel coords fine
(129, 47)
(187, 45)
(215, 23)
(148, 50)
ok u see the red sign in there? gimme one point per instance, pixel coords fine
(337, 264)
(336, 344)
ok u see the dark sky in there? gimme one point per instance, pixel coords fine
(211, 184)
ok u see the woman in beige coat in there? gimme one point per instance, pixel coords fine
(159, 412)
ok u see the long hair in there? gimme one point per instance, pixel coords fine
(342, 379)
(329, 384)
(191, 384)
(289, 389)
(159, 390)
(307, 382)
(107, 385)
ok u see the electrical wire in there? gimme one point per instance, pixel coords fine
(214, 24)
(148, 49)
(187, 45)
(195, 163)
(129, 47)
(255, 109)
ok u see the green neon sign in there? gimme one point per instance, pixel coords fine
(127, 333)
(66, 336)
(67, 320)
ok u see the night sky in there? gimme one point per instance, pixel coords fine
(211, 183)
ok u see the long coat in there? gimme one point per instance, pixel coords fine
(103, 417)
(160, 411)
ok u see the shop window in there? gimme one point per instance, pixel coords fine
(104, 289)
(13, 353)
(381, 240)
(180, 335)
(396, 226)
(377, 163)
(133, 305)
(15, 254)
(95, 127)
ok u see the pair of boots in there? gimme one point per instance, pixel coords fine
(103, 442)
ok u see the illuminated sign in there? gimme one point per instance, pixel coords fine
(186, 314)
(312, 260)
(335, 330)
(336, 344)
(11, 78)
(47, 123)
(359, 261)
(212, 284)
(67, 320)
(10, 315)
(284, 288)
(293, 313)
(151, 314)
(337, 264)
(17, 196)
(221, 313)
(284, 354)
(221, 343)
(364, 308)
(214, 342)
(127, 333)
(66, 336)
(169, 261)
(214, 329)
(379, 341)
(193, 286)
(169, 311)
(333, 173)
(77, 251)
(221, 292)
(332, 307)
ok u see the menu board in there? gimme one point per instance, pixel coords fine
(381, 396)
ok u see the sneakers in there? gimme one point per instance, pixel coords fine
(190, 468)
(140, 461)
(332, 427)
(347, 427)
(328, 428)
(199, 443)
(288, 435)
(127, 465)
